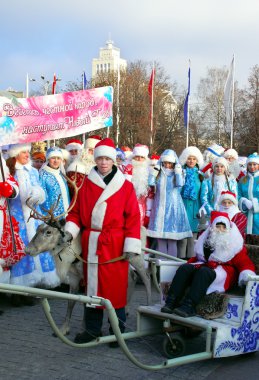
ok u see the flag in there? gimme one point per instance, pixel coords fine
(229, 94)
(151, 83)
(186, 102)
(84, 81)
(54, 84)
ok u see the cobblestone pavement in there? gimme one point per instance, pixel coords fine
(29, 351)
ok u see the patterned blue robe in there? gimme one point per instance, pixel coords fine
(39, 270)
(248, 187)
(54, 185)
(168, 218)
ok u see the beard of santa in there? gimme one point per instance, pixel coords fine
(140, 177)
(234, 168)
(230, 210)
(88, 161)
(219, 241)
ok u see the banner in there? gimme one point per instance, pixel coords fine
(50, 117)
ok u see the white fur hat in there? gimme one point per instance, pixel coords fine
(54, 151)
(228, 195)
(191, 151)
(230, 153)
(222, 161)
(253, 158)
(169, 155)
(140, 150)
(15, 149)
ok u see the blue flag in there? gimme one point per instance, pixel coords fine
(186, 105)
(84, 81)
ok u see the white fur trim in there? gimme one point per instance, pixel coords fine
(77, 166)
(72, 228)
(255, 205)
(191, 151)
(91, 143)
(140, 151)
(221, 219)
(98, 215)
(105, 151)
(231, 153)
(168, 158)
(222, 161)
(132, 245)
(18, 148)
(1, 220)
(252, 158)
(218, 285)
(92, 266)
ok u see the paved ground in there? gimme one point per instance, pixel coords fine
(29, 351)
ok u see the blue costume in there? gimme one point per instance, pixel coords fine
(168, 219)
(39, 270)
(211, 189)
(248, 191)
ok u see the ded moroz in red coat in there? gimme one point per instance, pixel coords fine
(230, 265)
(109, 219)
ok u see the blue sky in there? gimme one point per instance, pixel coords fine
(62, 36)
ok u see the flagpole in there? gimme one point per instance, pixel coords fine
(152, 109)
(187, 114)
(232, 106)
(118, 108)
(27, 85)
(83, 86)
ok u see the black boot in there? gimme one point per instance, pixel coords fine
(86, 337)
(187, 308)
(170, 303)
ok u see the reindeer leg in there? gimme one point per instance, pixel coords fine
(137, 262)
(132, 279)
(73, 289)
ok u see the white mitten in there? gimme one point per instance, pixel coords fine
(248, 203)
(37, 195)
(178, 169)
(244, 276)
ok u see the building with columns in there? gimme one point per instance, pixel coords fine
(109, 60)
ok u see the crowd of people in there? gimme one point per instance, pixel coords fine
(126, 198)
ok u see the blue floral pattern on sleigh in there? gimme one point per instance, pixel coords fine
(245, 337)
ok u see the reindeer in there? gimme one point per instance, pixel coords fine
(51, 237)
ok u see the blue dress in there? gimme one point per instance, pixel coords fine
(248, 187)
(211, 189)
(39, 270)
(191, 196)
(168, 218)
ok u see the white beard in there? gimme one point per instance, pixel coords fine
(140, 177)
(220, 241)
(231, 211)
(88, 161)
(234, 168)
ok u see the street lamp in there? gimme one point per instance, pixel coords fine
(46, 84)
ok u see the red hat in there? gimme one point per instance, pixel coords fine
(74, 144)
(154, 158)
(91, 141)
(219, 217)
(228, 195)
(105, 148)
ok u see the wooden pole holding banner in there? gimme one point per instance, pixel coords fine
(118, 109)
(151, 94)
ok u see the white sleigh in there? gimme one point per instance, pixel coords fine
(235, 333)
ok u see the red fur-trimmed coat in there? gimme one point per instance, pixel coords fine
(230, 267)
(109, 218)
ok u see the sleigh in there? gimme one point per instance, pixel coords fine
(235, 331)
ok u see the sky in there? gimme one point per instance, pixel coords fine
(62, 36)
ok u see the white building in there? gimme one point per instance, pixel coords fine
(109, 60)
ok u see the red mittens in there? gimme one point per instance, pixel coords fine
(6, 189)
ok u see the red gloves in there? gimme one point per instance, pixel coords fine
(6, 189)
(146, 221)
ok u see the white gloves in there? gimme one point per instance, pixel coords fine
(248, 203)
(243, 277)
(68, 237)
(129, 255)
(178, 169)
(37, 195)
